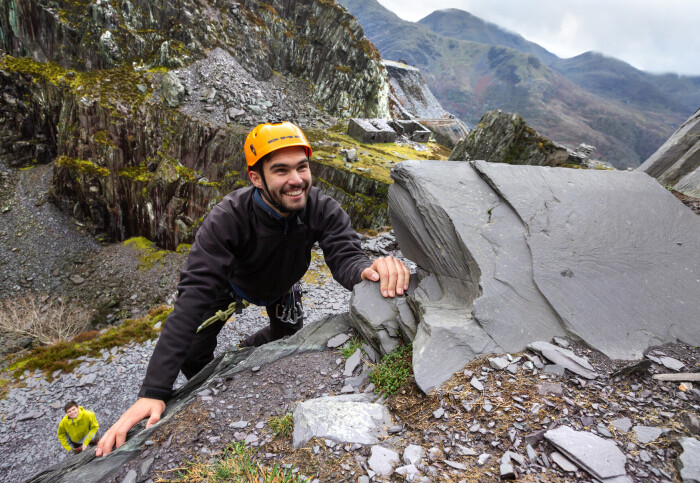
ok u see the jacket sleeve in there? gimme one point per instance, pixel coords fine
(93, 427)
(202, 281)
(340, 243)
(63, 438)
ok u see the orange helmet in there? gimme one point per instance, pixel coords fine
(271, 136)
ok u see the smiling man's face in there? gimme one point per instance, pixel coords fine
(288, 177)
(72, 412)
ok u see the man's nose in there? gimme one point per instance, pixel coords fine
(295, 178)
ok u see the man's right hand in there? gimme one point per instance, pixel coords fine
(116, 435)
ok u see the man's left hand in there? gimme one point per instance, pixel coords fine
(84, 447)
(392, 275)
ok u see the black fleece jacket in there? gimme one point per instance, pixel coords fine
(261, 254)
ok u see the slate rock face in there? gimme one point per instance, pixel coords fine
(518, 254)
(677, 161)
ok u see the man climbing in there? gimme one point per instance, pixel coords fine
(77, 428)
(255, 245)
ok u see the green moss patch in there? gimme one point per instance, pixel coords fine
(137, 173)
(149, 254)
(375, 160)
(64, 355)
(83, 166)
(104, 85)
(394, 370)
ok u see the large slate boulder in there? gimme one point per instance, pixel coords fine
(501, 137)
(677, 161)
(524, 253)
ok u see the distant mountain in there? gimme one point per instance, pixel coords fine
(462, 25)
(605, 76)
(627, 114)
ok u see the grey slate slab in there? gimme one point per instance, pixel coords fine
(688, 462)
(600, 457)
(343, 419)
(564, 357)
(597, 259)
(647, 434)
(450, 222)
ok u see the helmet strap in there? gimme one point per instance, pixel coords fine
(268, 197)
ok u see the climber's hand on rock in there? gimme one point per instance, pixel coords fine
(116, 435)
(392, 274)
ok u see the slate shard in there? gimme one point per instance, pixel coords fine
(600, 457)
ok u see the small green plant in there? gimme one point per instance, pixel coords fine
(351, 346)
(393, 371)
(235, 464)
(282, 425)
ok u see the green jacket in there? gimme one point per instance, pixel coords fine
(84, 426)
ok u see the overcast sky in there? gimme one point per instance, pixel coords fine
(652, 35)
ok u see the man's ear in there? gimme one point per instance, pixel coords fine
(255, 178)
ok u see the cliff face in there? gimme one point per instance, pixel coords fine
(144, 150)
(314, 40)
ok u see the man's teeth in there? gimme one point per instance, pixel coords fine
(293, 193)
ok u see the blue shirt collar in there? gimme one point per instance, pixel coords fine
(257, 197)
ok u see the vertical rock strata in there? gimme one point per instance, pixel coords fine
(315, 40)
(517, 254)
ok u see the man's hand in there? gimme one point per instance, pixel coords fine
(143, 408)
(392, 275)
(83, 447)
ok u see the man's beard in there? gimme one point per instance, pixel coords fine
(289, 205)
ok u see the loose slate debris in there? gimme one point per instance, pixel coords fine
(383, 460)
(642, 366)
(600, 457)
(623, 424)
(565, 358)
(337, 341)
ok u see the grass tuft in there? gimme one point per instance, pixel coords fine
(235, 464)
(393, 371)
(282, 425)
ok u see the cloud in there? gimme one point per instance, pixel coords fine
(651, 35)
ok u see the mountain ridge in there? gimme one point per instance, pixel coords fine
(470, 78)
